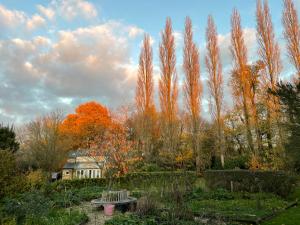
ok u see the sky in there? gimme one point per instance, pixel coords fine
(58, 54)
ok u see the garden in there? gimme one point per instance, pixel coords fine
(222, 148)
(163, 198)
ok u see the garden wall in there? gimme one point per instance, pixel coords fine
(280, 183)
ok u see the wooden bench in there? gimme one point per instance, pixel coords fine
(117, 198)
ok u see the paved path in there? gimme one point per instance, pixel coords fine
(96, 216)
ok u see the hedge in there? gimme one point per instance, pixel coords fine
(276, 182)
(132, 180)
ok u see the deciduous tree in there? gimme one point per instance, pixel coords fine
(240, 74)
(144, 98)
(292, 33)
(168, 88)
(90, 120)
(270, 55)
(192, 88)
(215, 82)
(45, 148)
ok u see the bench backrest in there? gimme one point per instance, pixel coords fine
(114, 196)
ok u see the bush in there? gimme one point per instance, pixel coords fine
(240, 162)
(37, 179)
(150, 167)
(130, 220)
(65, 199)
(279, 183)
(142, 180)
(146, 206)
(27, 204)
(10, 181)
(58, 217)
(88, 193)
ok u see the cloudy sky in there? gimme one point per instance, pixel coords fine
(57, 54)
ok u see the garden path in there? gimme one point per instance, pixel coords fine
(96, 216)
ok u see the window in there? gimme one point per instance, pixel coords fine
(78, 173)
(98, 173)
(90, 173)
(67, 172)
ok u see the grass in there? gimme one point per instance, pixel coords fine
(235, 206)
(238, 209)
(289, 217)
(58, 217)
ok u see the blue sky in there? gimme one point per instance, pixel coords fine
(57, 54)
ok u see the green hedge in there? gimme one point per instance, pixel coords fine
(279, 183)
(132, 180)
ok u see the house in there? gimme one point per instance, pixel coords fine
(83, 163)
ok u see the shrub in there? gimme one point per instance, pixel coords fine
(88, 193)
(58, 217)
(150, 167)
(279, 183)
(65, 199)
(10, 181)
(146, 206)
(27, 204)
(37, 179)
(240, 162)
(142, 180)
(130, 220)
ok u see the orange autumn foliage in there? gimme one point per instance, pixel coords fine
(90, 120)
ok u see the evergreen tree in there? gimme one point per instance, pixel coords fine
(8, 138)
(289, 95)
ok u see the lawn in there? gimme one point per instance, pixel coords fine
(289, 217)
(235, 206)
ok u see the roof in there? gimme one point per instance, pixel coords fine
(82, 165)
(84, 152)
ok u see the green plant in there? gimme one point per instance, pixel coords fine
(146, 205)
(57, 217)
(37, 179)
(11, 182)
(280, 183)
(27, 204)
(131, 219)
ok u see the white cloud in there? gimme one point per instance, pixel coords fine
(35, 21)
(17, 21)
(178, 36)
(47, 12)
(70, 9)
(135, 31)
(11, 18)
(224, 42)
(91, 63)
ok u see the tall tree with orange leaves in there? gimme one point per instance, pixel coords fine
(270, 55)
(240, 75)
(192, 88)
(89, 121)
(215, 82)
(144, 98)
(292, 33)
(168, 90)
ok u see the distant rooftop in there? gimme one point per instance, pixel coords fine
(84, 152)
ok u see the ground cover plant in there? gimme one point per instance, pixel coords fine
(203, 206)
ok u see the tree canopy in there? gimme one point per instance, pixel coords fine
(8, 138)
(89, 120)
